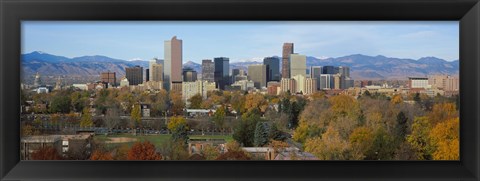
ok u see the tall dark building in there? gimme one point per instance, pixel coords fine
(208, 70)
(273, 68)
(221, 74)
(287, 51)
(235, 73)
(134, 75)
(316, 73)
(147, 75)
(189, 75)
(330, 70)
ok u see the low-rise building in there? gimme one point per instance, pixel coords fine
(196, 146)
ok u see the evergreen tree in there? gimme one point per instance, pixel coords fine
(261, 136)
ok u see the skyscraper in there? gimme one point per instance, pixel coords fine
(235, 73)
(156, 69)
(173, 63)
(258, 74)
(330, 70)
(344, 71)
(287, 51)
(298, 65)
(134, 75)
(326, 81)
(273, 68)
(221, 74)
(315, 72)
(156, 72)
(208, 70)
(189, 75)
(147, 75)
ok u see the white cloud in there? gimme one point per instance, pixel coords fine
(135, 59)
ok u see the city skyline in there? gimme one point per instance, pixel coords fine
(243, 41)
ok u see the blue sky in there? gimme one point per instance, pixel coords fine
(243, 40)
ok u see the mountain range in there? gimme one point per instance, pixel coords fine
(361, 66)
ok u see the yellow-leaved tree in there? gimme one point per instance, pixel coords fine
(361, 141)
(329, 147)
(86, 120)
(445, 138)
(442, 112)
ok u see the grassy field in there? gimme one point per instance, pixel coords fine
(157, 140)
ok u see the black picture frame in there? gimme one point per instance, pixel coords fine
(12, 12)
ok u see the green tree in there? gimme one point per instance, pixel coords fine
(383, 147)
(86, 120)
(417, 98)
(245, 129)
(261, 136)
(60, 104)
(401, 126)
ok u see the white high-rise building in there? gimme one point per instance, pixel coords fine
(326, 81)
(298, 65)
(189, 89)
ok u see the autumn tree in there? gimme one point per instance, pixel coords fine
(159, 103)
(54, 119)
(441, 112)
(328, 147)
(419, 138)
(219, 118)
(101, 155)
(121, 152)
(233, 146)
(196, 101)
(210, 152)
(174, 150)
(255, 101)
(177, 104)
(143, 151)
(86, 120)
(361, 141)
(178, 126)
(27, 130)
(446, 140)
(238, 102)
(112, 118)
(344, 105)
(397, 99)
(46, 153)
(313, 120)
(136, 115)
